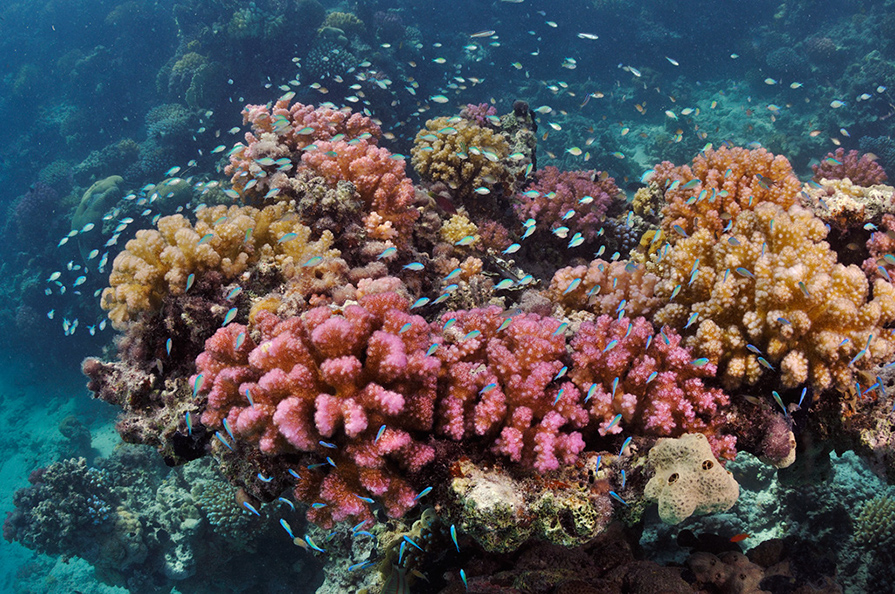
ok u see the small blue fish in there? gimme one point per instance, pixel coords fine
(745, 272)
(614, 421)
(754, 349)
(240, 338)
(611, 345)
(205, 238)
(287, 502)
(512, 249)
(318, 505)
(463, 577)
(454, 537)
(264, 479)
(411, 541)
(431, 349)
(293, 473)
(287, 237)
(468, 240)
(614, 386)
(227, 428)
(231, 314)
(590, 392)
(387, 252)
(560, 373)
(487, 389)
(189, 423)
(363, 533)
(313, 261)
(405, 327)
(364, 499)
(326, 444)
(562, 328)
(804, 289)
(251, 508)
(764, 363)
(361, 565)
(379, 434)
(414, 266)
(618, 498)
(233, 293)
(423, 493)
(287, 528)
(701, 362)
(652, 376)
(780, 402)
(168, 347)
(558, 396)
(624, 478)
(625, 444)
(471, 334)
(420, 302)
(313, 545)
(692, 319)
(449, 323)
(860, 354)
(189, 281)
(197, 384)
(572, 286)
(249, 397)
(679, 230)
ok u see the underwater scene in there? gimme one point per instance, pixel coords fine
(487, 296)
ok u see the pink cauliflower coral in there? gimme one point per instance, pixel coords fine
(649, 379)
(501, 381)
(379, 179)
(279, 134)
(323, 384)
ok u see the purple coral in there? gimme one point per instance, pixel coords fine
(574, 199)
(860, 169)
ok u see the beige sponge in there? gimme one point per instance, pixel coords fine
(689, 480)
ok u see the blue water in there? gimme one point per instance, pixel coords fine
(136, 88)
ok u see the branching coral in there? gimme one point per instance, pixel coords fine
(500, 382)
(650, 380)
(770, 293)
(279, 134)
(379, 179)
(860, 169)
(324, 384)
(605, 288)
(463, 156)
(719, 185)
(229, 240)
(574, 199)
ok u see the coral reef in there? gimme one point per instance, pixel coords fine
(768, 293)
(577, 200)
(719, 185)
(467, 158)
(860, 169)
(348, 390)
(228, 240)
